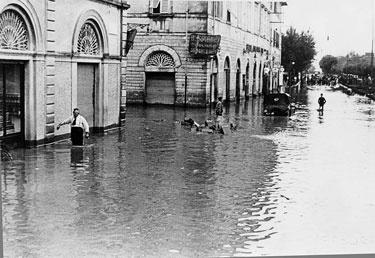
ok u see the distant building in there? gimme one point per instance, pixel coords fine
(368, 58)
(167, 64)
(57, 55)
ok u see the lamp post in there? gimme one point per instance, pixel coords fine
(291, 73)
(266, 72)
(281, 86)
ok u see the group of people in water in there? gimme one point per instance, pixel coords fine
(80, 127)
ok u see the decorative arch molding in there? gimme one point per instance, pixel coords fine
(160, 59)
(159, 48)
(30, 18)
(95, 22)
(88, 41)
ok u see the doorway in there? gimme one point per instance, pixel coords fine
(238, 81)
(247, 76)
(254, 90)
(214, 89)
(227, 80)
(12, 121)
(160, 88)
(86, 91)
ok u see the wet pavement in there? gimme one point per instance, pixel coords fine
(276, 186)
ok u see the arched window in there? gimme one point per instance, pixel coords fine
(13, 32)
(215, 67)
(88, 42)
(226, 64)
(160, 59)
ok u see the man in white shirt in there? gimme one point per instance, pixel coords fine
(78, 125)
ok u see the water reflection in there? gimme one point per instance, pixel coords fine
(156, 189)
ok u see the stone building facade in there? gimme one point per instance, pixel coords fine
(162, 70)
(57, 55)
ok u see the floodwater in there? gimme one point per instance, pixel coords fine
(275, 186)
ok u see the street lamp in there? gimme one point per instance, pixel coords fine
(266, 89)
(291, 74)
(293, 71)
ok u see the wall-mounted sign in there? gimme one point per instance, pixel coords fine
(201, 44)
(130, 36)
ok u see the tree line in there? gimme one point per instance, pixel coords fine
(298, 52)
(352, 63)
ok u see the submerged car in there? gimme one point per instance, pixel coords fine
(277, 104)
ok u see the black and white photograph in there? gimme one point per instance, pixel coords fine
(187, 129)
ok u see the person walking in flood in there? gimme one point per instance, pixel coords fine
(219, 114)
(219, 107)
(78, 125)
(321, 102)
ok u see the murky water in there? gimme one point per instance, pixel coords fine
(276, 186)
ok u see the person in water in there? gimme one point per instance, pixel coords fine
(78, 125)
(321, 102)
(219, 107)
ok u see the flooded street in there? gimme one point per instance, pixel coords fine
(276, 186)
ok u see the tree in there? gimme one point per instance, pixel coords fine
(298, 50)
(328, 63)
(311, 69)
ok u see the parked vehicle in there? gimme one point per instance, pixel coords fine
(278, 104)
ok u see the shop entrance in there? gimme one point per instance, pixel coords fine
(160, 88)
(12, 120)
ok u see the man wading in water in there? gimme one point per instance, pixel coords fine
(219, 107)
(321, 102)
(78, 125)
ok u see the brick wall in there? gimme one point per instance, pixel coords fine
(196, 70)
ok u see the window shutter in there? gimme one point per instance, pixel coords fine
(155, 3)
(164, 6)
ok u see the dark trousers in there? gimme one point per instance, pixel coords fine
(76, 134)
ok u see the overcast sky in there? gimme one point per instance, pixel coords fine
(338, 26)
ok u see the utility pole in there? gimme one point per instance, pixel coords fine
(1, 218)
(372, 43)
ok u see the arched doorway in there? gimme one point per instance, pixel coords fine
(160, 79)
(238, 80)
(227, 79)
(260, 73)
(254, 91)
(247, 77)
(214, 90)
(265, 79)
(15, 36)
(89, 43)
